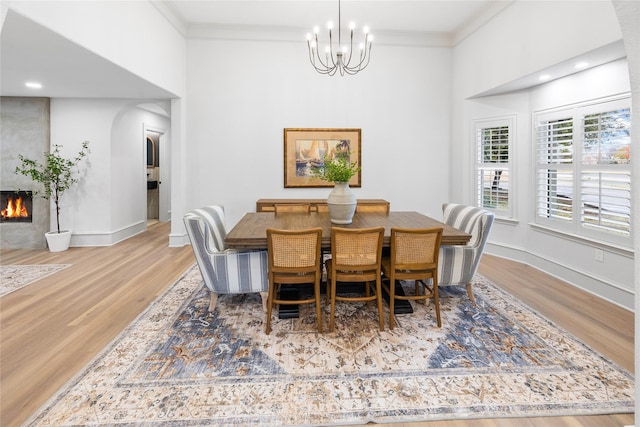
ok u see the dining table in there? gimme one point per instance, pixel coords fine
(250, 233)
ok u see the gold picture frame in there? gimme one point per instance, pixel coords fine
(304, 148)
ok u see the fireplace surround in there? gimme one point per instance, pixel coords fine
(24, 129)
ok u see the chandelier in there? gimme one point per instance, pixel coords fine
(339, 59)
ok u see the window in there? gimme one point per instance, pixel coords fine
(493, 165)
(583, 174)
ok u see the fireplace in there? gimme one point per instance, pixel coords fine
(17, 206)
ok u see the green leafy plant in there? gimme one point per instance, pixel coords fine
(336, 169)
(56, 174)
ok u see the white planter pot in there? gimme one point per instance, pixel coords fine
(342, 203)
(58, 242)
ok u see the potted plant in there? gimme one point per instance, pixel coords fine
(56, 174)
(339, 170)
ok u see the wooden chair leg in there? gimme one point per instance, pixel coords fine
(379, 300)
(265, 300)
(327, 292)
(212, 301)
(421, 288)
(333, 306)
(272, 291)
(318, 305)
(436, 302)
(392, 301)
(470, 292)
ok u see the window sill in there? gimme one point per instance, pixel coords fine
(506, 221)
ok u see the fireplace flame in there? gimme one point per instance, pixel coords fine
(15, 209)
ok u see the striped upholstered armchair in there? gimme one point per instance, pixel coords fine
(458, 264)
(224, 271)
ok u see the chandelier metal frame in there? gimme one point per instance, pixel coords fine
(332, 64)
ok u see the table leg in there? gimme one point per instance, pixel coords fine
(292, 311)
(401, 306)
(289, 311)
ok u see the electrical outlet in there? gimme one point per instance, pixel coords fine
(599, 255)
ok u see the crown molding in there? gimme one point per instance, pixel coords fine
(294, 34)
(472, 25)
(172, 16)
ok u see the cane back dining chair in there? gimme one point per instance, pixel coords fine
(414, 257)
(294, 259)
(355, 257)
(458, 264)
(223, 271)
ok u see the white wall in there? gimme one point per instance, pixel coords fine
(242, 94)
(521, 40)
(629, 16)
(109, 204)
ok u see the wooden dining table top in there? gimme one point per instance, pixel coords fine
(251, 231)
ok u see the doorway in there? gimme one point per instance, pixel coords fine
(156, 168)
(152, 140)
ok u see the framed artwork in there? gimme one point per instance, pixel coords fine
(305, 149)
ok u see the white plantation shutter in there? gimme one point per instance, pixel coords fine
(555, 169)
(493, 140)
(606, 201)
(554, 194)
(606, 174)
(583, 176)
(555, 141)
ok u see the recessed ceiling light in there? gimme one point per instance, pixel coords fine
(33, 85)
(544, 77)
(581, 64)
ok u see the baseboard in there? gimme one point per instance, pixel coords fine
(597, 286)
(107, 238)
(178, 240)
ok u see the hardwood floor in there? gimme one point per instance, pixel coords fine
(53, 327)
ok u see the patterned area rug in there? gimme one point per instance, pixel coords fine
(176, 365)
(14, 277)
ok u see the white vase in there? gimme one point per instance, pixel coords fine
(342, 203)
(58, 242)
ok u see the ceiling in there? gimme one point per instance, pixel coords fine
(391, 15)
(30, 51)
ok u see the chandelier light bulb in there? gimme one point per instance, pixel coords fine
(342, 60)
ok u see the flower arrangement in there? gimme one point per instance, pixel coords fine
(336, 169)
